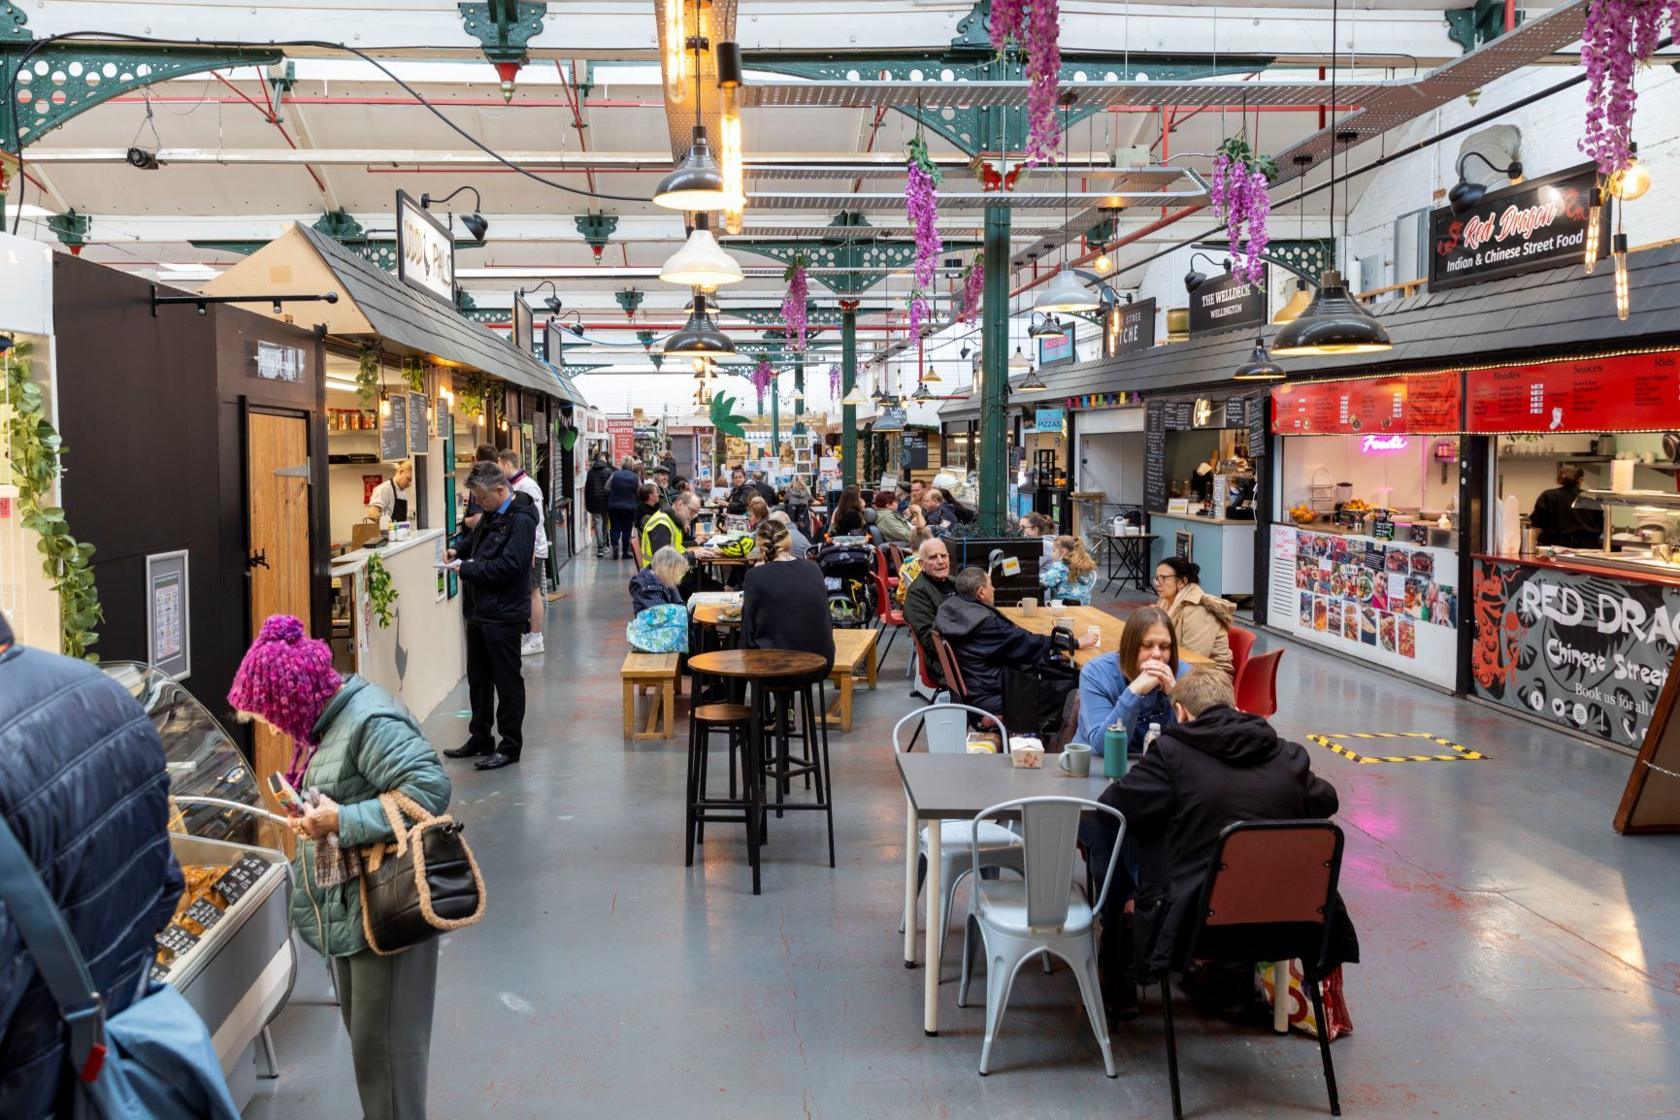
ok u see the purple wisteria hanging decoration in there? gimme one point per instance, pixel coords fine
(834, 381)
(973, 292)
(921, 206)
(793, 304)
(1239, 192)
(762, 377)
(1620, 36)
(1035, 26)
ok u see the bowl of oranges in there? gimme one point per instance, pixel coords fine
(1303, 514)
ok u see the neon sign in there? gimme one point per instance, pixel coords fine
(1384, 443)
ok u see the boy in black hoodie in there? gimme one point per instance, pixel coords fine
(1217, 766)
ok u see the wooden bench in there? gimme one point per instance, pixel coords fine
(655, 674)
(854, 657)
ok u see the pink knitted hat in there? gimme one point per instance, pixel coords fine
(287, 679)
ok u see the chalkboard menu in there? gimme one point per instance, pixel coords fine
(1236, 415)
(393, 428)
(1155, 455)
(1383, 527)
(1258, 423)
(913, 450)
(1181, 415)
(417, 433)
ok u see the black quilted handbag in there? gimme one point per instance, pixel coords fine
(420, 885)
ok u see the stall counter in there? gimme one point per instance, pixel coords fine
(1574, 643)
(1223, 548)
(421, 656)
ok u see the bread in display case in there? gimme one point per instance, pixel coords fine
(228, 950)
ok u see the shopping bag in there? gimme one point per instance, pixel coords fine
(1301, 1017)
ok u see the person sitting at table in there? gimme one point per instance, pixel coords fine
(1201, 620)
(800, 543)
(1212, 767)
(912, 566)
(798, 505)
(758, 512)
(660, 582)
(910, 494)
(930, 586)
(1132, 686)
(764, 489)
(784, 601)
(740, 493)
(1035, 524)
(985, 642)
(1070, 574)
(848, 514)
(893, 527)
(941, 515)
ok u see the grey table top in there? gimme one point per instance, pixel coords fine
(958, 786)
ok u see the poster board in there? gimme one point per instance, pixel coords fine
(168, 605)
(1651, 801)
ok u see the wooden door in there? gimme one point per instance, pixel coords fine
(277, 500)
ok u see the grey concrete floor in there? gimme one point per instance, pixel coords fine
(1520, 959)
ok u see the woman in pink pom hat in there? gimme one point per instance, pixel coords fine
(351, 741)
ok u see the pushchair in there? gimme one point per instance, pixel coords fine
(848, 571)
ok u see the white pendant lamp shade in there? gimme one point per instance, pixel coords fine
(855, 398)
(1066, 294)
(1019, 361)
(701, 263)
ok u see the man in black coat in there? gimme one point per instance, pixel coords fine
(595, 499)
(984, 642)
(926, 593)
(495, 564)
(1214, 767)
(84, 789)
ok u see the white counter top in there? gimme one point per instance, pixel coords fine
(1246, 522)
(353, 560)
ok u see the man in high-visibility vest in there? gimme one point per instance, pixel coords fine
(672, 527)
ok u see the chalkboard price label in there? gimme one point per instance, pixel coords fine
(1383, 527)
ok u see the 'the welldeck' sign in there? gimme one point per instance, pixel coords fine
(1538, 224)
(1224, 303)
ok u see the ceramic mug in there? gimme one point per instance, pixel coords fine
(1076, 760)
(1029, 607)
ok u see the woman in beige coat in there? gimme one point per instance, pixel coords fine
(1202, 620)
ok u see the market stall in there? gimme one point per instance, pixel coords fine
(1199, 488)
(1364, 556)
(26, 333)
(1581, 634)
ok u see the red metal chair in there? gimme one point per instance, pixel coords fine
(1270, 894)
(1242, 644)
(1257, 684)
(890, 617)
(928, 682)
(948, 666)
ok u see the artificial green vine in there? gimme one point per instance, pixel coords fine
(381, 593)
(414, 374)
(367, 376)
(471, 389)
(35, 451)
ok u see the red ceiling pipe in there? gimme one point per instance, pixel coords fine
(1086, 258)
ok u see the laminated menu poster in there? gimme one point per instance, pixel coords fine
(1391, 604)
(1628, 392)
(1420, 404)
(1585, 651)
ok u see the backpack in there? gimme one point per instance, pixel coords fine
(153, 1060)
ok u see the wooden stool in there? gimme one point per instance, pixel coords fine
(655, 674)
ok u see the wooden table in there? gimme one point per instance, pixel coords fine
(854, 656)
(1043, 620)
(941, 787)
(757, 667)
(711, 614)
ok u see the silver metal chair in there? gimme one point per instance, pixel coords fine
(1044, 913)
(946, 726)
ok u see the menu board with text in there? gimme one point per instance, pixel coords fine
(1629, 392)
(1421, 404)
(1155, 455)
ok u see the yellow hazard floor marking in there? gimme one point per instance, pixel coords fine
(1460, 753)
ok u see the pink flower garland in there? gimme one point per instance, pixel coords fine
(973, 292)
(834, 381)
(1620, 35)
(1036, 27)
(921, 206)
(793, 304)
(762, 376)
(1239, 193)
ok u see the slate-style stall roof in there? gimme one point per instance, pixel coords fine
(957, 412)
(1544, 314)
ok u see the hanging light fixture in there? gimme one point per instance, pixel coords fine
(696, 183)
(1044, 326)
(1595, 229)
(699, 336)
(1465, 195)
(1618, 253)
(1019, 361)
(854, 398)
(1034, 383)
(931, 375)
(922, 393)
(1632, 181)
(1104, 263)
(1259, 366)
(1334, 322)
(729, 79)
(701, 262)
(1065, 293)
(1297, 303)
(676, 51)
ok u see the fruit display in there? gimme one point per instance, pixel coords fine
(1303, 514)
(1359, 506)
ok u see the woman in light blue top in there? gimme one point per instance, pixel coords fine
(1071, 574)
(1133, 686)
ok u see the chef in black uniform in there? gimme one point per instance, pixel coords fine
(389, 500)
(1562, 525)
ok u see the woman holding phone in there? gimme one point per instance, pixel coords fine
(351, 742)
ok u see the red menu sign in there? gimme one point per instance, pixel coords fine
(1423, 404)
(1627, 393)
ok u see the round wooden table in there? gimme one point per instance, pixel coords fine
(758, 667)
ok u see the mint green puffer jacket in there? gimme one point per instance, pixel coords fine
(369, 744)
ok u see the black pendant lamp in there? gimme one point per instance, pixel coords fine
(1259, 366)
(699, 337)
(1334, 322)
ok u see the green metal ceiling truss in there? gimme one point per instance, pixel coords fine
(345, 230)
(1474, 26)
(1307, 258)
(505, 27)
(869, 260)
(971, 57)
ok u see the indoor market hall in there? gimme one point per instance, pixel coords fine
(725, 558)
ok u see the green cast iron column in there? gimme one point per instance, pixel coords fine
(993, 454)
(798, 394)
(848, 379)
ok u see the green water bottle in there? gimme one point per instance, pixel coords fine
(1114, 751)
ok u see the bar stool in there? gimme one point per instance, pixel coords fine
(807, 701)
(734, 720)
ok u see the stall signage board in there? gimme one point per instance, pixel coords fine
(622, 433)
(168, 606)
(417, 427)
(1629, 392)
(524, 325)
(1259, 420)
(393, 428)
(1055, 349)
(1584, 651)
(1225, 303)
(913, 451)
(1155, 455)
(1541, 223)
(1049, 420)
(1128, 327)
(271, 361)
(425, 252)
(1420, 404)
(1390, 604)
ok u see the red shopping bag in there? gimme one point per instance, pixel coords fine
(1301, 1015)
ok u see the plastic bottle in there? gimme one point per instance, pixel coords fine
(1150, 736)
